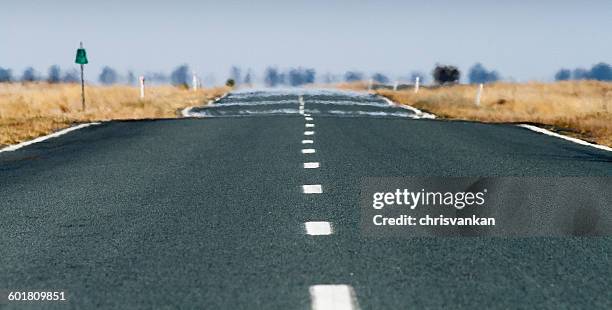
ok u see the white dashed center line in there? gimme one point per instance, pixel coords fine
(312, 165)
(312, 189)
(333, 297)
(301, 108)
(323, 296)
(318, 228)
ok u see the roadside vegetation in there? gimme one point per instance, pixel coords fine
(29, 110)
(581, 109)
(578, 104)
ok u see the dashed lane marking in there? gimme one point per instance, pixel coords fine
(308, 151)
(333, 297)
(309, 133)
(318, 228)
(307, 141)
(311, 165)
(308, 125)
(312, 189)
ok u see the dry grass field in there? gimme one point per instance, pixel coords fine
(35, 109)
(577, 108)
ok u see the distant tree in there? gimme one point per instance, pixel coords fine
(130, 78)
(301, 76)
(380, 78)
(580, 74)
(353, 76)
(157, 77)
(563, 75)
(329, 78)
(54, 75)
(236, 74)
(420, 75)
(444, 74)
(72, 76)
(601, 72)
(310, 76)
(180, 75)
(272, 77)
(295, 77)
(5, 75)
(29, 75)
(230, 82)
(479, 74)
(248, 78)
(108, 76)
(282, 78)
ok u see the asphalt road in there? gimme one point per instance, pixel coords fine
(209, 212)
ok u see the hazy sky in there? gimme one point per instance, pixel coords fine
(522, 39)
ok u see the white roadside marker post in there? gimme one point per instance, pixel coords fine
(416, 84)
(395, 86)
(479, 94)
(194, 82)
(370, 84)
(142, 86)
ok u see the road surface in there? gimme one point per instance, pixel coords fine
(210, 212)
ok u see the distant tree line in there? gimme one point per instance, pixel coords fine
(273, 77)
(599, 72)
(30, 75)
(441, 74)
(108, 76)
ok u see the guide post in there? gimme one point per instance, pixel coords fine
(81, 59)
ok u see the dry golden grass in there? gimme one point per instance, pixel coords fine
(34, 109)
(578, 108)
(357, 86)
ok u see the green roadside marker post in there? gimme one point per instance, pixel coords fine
(81, 59)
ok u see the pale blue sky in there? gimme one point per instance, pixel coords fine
(521, 39)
